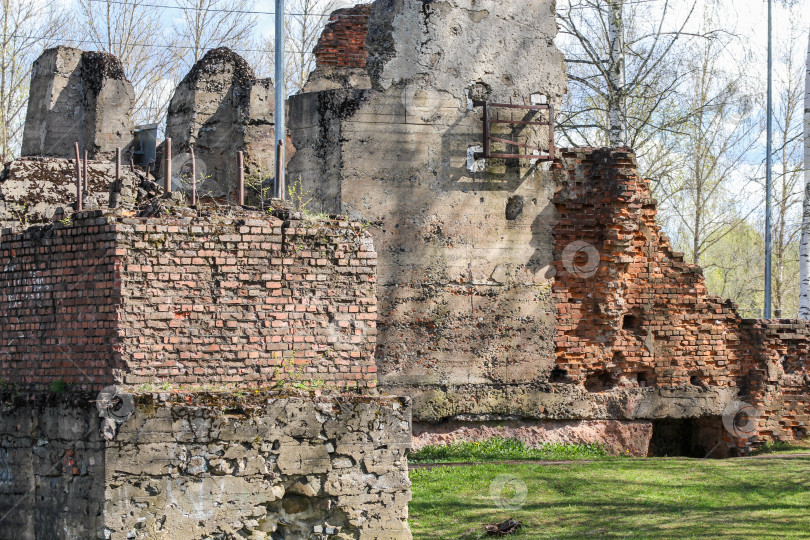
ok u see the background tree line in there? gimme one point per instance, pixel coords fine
(157, 42)
(689, 84)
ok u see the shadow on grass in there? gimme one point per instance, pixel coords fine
(685, 498)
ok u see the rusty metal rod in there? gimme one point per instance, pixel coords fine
(131, 164)
(240, 157)
(79, 205)
(193, 177)
(86, 176)
(168, 181)
(511, 106)
(486, 130)
(117, 169)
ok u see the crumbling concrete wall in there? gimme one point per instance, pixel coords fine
(220, 108)
(79, 97)
(219, 299)
(205, 465)
(465, 247)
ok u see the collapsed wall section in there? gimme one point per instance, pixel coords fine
(221, 299)
(632, 314)
(205, 465)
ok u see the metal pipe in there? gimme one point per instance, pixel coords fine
(280, 112)
(768, 168)
(241, 164)
(280, 183)
(79, 194)
(193, 177)
(168, 181)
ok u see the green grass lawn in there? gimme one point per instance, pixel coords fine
(500, 449)
(664, 498)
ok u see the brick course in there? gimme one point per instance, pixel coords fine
(205, 300)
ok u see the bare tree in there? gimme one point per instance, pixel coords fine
(623, 71)
(787, 189)
(207, 24)
(713, 144)
(133, 31)
(28, 28)
(804, 252)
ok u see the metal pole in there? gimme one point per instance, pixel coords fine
(768, 166)
(168, 181)
(78, 178)
(281, 185)
(241, 165)
(193, 177)
(280, 112)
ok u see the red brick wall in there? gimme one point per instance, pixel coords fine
(58, 295)
(214, 300)
(644, 310)
(631, 312)
(343, 41)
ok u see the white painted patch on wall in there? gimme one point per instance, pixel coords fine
(475, 165)
(538, 99)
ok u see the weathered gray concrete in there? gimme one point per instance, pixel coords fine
(33, 190)
(168, 466)
(79, 97)
(221, 108)
(464, 247)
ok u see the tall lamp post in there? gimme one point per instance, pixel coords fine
(768, 166)
(280, 112)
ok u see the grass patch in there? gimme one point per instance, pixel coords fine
(500, 449)
(669, 498)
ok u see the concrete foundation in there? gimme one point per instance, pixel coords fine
(174, 466)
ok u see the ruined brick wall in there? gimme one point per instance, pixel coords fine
(779, 379)
(254, 299)
(632, 314)
(630, 311)
(133, 300)
(205, 466)
(59, 289)
(343, 41)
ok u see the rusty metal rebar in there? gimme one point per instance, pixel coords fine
(240, 158)
(117, 169)
(79, 195)
(193, 177)
(86, 176)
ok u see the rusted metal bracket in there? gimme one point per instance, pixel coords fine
(489, 139)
